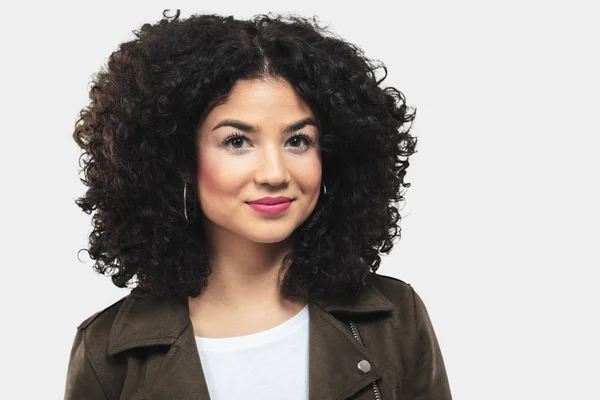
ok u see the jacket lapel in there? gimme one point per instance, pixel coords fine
(333, 352)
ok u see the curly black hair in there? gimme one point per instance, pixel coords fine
(138, 135)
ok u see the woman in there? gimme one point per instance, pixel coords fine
(244, 176)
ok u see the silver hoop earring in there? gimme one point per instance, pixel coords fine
(184, 200)
(324, 189)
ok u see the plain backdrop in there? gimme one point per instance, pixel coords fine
(500, 225)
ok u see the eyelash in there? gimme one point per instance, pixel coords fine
(309, 141)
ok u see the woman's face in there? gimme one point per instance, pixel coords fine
(269, 159)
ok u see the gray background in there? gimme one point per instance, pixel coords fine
(499, 224)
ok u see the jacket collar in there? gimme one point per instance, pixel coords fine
(151, 321)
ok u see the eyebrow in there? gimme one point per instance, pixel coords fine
(253, 129)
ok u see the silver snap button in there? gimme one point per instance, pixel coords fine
(364, 366)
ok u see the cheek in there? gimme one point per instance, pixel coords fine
(214, 181)
(208, 174)
(215, 186)
(309, 176)
(218, 175)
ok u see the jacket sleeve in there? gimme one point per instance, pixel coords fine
(82, 381)
(430, 378)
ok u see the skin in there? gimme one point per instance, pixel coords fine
(246, 246)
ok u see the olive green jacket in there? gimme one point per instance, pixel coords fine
(380, 347)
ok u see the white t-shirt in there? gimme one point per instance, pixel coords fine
(271, 364)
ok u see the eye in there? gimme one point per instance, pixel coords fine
(307, 139)
(235, 137)
(238, 138)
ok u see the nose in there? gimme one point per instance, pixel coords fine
(272, 168)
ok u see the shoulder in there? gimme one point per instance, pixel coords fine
(408, 303)
(410, 308)
(396, 290)
(94, 331)
(379, 279)
(102, 320)
(91, 372)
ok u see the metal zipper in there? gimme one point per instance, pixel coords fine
(356, 334)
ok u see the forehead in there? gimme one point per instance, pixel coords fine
(268, 97)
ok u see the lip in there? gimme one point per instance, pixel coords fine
(271, 200)
(271, 208)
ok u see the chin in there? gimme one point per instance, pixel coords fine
(270, 236)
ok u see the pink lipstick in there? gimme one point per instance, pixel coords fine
(271, 205)
(270, 209)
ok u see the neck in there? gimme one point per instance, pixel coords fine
(243, 276)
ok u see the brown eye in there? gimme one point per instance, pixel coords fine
(236, 137)
(304, 137)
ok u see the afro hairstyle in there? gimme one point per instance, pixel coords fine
(138, 133)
